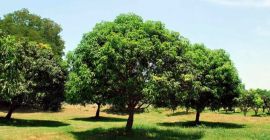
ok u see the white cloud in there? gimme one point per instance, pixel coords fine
(245, 3)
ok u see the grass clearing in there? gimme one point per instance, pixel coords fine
(75, 122)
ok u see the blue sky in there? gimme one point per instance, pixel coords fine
(241, 27)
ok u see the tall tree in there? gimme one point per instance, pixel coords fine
(123, 56)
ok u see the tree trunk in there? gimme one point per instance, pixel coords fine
(12, 107)
(98, 110)
(256, 111)
(187, 109)
(197, 121)
(245, 112)
(130, 120)
(226, 109)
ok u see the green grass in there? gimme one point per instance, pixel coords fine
(75, 122)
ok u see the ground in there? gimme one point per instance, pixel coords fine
(75, 122)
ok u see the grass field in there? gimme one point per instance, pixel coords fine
(74, 122)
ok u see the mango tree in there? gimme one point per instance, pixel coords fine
(121, 57)
(27, 26)
(213, 80)
(27, 68)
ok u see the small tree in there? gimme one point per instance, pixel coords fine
(82, 85)
(214, 80)
(257, 101)
(266, 99)
(250, 99)
(265, 96)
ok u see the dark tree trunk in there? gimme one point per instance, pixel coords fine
(197, 121)
(187, 109)
(245, 112)
(263, 109)
(98, 110)
(256, 111)
(12, 107)
(130, 120)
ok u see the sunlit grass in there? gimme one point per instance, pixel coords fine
(76, 122)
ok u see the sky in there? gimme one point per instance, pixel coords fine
(241, 27)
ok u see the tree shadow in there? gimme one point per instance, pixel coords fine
(101, 119)
(229, 112)
(21, 110)
(259, 115)
(122, 112)
(203, 124)
(179, 113)
(30, 123)
(136, 134)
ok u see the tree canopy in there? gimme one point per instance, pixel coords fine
(26, 25)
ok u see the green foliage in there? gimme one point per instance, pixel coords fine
(30, 74)
(250, 99)
(265, 95)
(12, 79)
(121, 59)
(215, 81)
(200, 78)
(25, 25)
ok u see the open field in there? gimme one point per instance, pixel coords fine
(74, 123)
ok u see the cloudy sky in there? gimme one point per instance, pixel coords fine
(241, 27)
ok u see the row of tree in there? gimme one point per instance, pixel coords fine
(254, 99)
(128, 63)
(133, 63)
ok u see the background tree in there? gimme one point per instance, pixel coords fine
(250, 99)
(22, 63)
(213, 81)
(13, 83)
(124, 56)
(23, 24)
(26, 26)
(245, 101)
(257, 101)
(265, 96)
(83, 85)
(266, 99)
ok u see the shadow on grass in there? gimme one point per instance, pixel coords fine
(203, 124)
(21, 110)
(179, 113)
(30, 123)
(101, 119)
(259, 115)
(136, 134)
(122, 112)
(229, 113)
